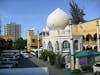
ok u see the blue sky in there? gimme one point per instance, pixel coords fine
(33, 13)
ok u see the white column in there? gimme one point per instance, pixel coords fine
(72, 57)
(98, 43)
(77, 64)
(81, 40)
(71, 47)
(38, 39)
(80, 44)
(60, 47)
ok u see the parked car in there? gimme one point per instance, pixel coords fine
(96, 68)
(25, 55)
(8, 64)
(33, 53)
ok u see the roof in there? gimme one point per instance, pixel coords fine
(25, 71)
(86, 53)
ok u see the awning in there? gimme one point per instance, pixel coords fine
(86, 53)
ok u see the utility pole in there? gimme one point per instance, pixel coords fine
(98, 43)
(38, 39)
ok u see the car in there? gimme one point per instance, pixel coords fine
(8, 63)
(33, 53)
(25, 55)
(96, 68)
(22, 52)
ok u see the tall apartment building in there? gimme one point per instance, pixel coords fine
(13, 29)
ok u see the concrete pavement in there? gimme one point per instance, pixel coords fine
(26, 63)
(52, 70)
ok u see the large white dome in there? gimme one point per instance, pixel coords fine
(57, 20)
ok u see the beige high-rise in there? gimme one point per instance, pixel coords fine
(13, 29)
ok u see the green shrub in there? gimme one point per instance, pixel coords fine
(58, 61)
(48, 54)
(52, 57)
(76, 71)
(86, 67)
(44, 55)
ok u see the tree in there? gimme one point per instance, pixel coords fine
(76, 13)
(2, 44)
(20, 43)
(9, 44)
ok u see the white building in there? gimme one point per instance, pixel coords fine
(61, 39)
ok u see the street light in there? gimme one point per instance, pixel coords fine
(97, 25)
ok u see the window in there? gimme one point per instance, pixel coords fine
(97, 65)
(33, 40)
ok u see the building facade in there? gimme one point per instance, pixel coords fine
(77, 43)
(12, 29)
(33, 41)
(89, 33)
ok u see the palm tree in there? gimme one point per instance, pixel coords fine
(76, 13)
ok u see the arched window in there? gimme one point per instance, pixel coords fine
(88, 37)
(66, 45)
(50, 46)
(75, 44)
(57, 45)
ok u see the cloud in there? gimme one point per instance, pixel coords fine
(32, 28)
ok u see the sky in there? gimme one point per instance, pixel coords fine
(32, 14)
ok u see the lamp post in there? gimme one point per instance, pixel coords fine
(98, 43)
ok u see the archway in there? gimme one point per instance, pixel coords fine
(95, 48)
(65, 45)
(88, 37)
(88, 48)
(84, 48)
(95, 37)
(75, 44)
(57, 46)
(50, 46)
(83, 38)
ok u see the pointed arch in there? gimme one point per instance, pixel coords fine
(95, 48)
(95, 37)
(75, 44)
(65, 45)
(89, 48)
(50, 47)
(88, 37)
